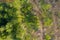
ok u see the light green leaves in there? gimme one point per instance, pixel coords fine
(1, 8)
(47, 21)
(47, 37)
(46, 6)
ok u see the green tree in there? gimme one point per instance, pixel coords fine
(17, 21)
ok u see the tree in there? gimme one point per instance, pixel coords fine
(17, 21)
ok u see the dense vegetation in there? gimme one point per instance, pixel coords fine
(20, 20)
(17, 21)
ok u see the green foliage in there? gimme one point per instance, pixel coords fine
(7, 13)
(47, 37)
(29, 18)
(47, 15)
(46, 6)
(17, 21)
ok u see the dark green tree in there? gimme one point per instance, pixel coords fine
(17, 21)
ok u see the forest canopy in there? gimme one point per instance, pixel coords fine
(29, 20)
